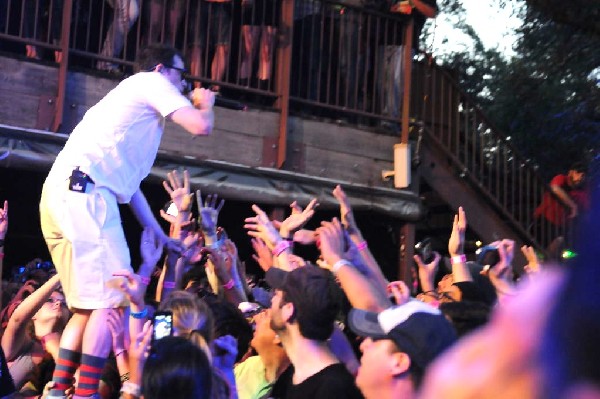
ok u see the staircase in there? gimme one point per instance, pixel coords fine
(463, 160)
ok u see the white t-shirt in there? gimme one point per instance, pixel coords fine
(117, 140)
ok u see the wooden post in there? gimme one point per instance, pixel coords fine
(65, 38)
(284, 62)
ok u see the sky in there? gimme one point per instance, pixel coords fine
(495, 26)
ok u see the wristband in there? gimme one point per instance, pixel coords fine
(145, 280)
(337, 265)
(131, 388)
(169, 284)
(282, 246)
(229, 285)
(361, 246)
(139, 315)
(119, 352)
(458, 259)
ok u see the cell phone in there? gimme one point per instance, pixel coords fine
(162, 325)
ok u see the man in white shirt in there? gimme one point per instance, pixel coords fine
(102, 164)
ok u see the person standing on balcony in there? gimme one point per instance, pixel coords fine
(571, 192)
(125, 13)
(102, 164)
(390, 54)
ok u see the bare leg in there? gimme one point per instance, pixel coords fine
(196, 63)
(249, 37)
(267, 41)
(97, 338)
(219, 62)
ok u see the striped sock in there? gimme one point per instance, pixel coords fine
(89, 375)
(66, 365)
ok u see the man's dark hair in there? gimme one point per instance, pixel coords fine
(579, 166)
(177, 368)
(155, 54)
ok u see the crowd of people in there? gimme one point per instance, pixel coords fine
(88, 326)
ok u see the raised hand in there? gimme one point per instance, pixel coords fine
(456, 242)
(427, 271)
(533, 264)
(260, 226)
(179, 190)
(263, 255)
(150, 248)
(117, 330)
(346, 214)
(208, 212)
(400, 291)
(331, 238)
(297, 218)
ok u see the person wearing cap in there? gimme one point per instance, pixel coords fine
(400, 343)
(107, 155)
(303, 312)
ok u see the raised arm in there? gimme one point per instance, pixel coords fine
(456, 244)
(143, 213)
(15, 335)
(349, 223)
(199, 119)
(361, 292)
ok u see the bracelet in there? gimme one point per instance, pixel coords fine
(229, 285)
(169, 284)
(120, 352)
(361, 246)
(282, 246)
(131, 388)
(337, 265)
(125, 377)
(145, 280)
(458, 259)
(139, 315)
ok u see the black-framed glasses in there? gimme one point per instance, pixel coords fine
(181, 70)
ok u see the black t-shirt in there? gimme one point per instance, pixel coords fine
(7, 386)
(332, 382)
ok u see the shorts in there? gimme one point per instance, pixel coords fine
(262, 12)
(85, 238)
(210, 24)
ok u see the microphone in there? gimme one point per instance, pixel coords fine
(219, 100)
(230, 104)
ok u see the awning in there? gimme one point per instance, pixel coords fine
(36, 150)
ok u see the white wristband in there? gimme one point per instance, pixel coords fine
(337, 265)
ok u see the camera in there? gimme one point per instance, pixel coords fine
(162, 325)
(424, 250)
(488, 255)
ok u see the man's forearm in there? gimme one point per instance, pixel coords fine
(143, 213)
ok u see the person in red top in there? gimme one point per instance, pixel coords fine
(571, 192)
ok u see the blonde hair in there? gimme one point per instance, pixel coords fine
(192, 317)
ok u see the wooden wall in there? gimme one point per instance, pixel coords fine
(28, 91)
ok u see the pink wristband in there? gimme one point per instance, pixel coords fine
(169, 284)
(145, 280)
(229, 285)
(361, 246)
(282, 246)
(458, 259)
